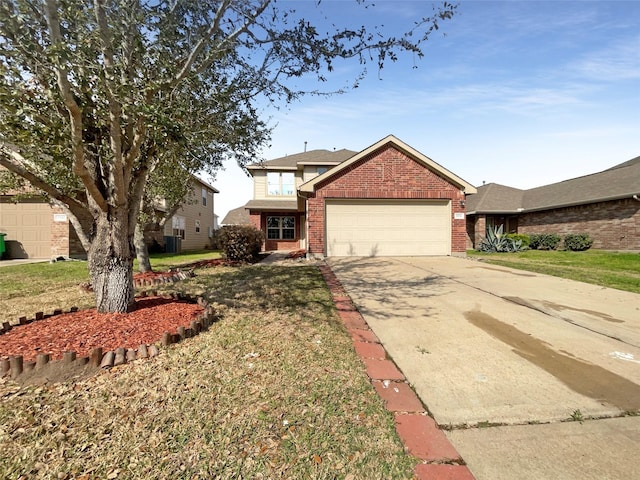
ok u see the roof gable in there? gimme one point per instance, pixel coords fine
(309, 186)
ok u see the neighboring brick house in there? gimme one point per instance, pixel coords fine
(36, 229)
(388, 199)
(606, 205)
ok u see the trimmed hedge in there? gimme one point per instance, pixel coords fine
(577, 242)
(544, 241)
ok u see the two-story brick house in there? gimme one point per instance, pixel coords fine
(388, 199)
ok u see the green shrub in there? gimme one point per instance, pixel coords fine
(241, 242)
(577, 242)
(524, 239)
(544, 241)
(496, 241)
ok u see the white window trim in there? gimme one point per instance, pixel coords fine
(280, 228)
(281, 184)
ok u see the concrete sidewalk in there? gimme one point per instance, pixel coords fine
(22, 261)
(485, 345)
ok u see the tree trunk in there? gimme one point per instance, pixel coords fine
(111, 263)
(142, 253)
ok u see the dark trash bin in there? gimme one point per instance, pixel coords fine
(2, 246)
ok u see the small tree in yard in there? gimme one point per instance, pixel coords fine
(98, 97)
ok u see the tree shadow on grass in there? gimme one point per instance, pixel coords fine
(299, 290)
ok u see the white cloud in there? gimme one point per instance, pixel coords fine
(620, 61)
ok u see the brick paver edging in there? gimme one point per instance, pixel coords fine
(418, 431)
(14, 366)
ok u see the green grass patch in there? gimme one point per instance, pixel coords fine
(164, 261)
(273, 390)
(608, 269)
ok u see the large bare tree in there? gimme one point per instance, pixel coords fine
(95, 96)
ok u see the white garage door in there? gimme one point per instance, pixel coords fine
(28, 229)
(388, 227)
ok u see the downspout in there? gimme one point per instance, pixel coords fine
(306, 223)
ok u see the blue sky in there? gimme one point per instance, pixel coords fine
(519, 92)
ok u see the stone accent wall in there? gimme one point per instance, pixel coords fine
(386, 173)
(613, 225)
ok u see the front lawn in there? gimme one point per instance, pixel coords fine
(599, 267)
(272, 390)
(56, 285)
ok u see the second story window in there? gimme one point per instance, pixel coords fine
(204, 197)
(280, 183)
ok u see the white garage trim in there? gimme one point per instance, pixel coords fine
(387, 227)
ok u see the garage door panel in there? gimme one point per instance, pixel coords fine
(28, 229)
(388, 227)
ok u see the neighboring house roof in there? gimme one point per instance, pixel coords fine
(620, 181)
(202, 182)
(495, 198)
(309, 186)
(312, 157)
(237, 216)
(282, 205)
(628, 163)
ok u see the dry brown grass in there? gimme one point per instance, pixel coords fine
(273, 390)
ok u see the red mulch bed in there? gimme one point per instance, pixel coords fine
(151, 275)
(85, 330)
(216, 262)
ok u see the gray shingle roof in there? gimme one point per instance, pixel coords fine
(322, 157)
(495, 198)
(620, 181)
(274, 205)
(237, 216)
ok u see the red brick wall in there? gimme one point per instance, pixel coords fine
(387, 173)
(613, 225)
(59, 234)
(476, 228)
(75, 245)
(259, 220)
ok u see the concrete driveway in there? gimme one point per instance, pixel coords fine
(513, 355)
